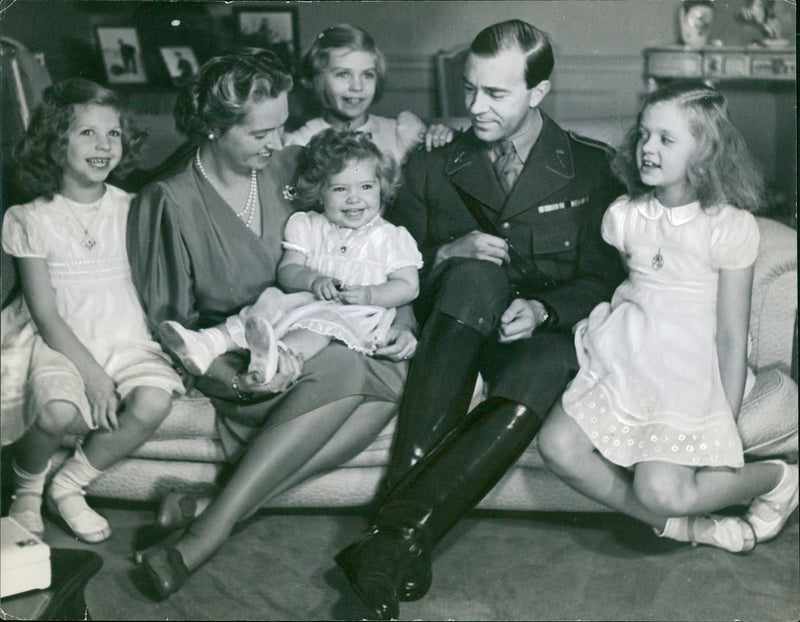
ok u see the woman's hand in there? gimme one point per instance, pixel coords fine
(290, 366)
(103, 399)
(356, 295)
(326, 288)
(400, 345)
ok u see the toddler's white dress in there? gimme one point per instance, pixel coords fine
(357, 257)
(95, 296)
(649, 385)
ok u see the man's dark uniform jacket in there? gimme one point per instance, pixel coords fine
(551, 218)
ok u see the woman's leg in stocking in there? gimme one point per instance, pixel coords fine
(357, 432)
(274, 455)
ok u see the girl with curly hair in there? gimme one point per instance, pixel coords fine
(76, 350)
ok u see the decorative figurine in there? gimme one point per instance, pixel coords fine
(695, 17)
(762, 13)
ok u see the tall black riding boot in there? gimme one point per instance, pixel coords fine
(433, 496)
(440, 383)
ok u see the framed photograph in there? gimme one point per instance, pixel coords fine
(274, 29)
(122, 55)
(180, 62)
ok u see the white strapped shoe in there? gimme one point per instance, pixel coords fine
(769, 512)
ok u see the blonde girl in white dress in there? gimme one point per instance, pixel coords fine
(648, 425)
(75, 346)
(346, 72)
(346, 269)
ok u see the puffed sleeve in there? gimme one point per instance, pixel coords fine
(160, 262)
(297, 234)
(734, 240)
(22, 235)
(613, 226)
(402, 251)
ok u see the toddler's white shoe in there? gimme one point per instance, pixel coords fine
(769, 512)
(195, 349)
(26, 509)
(263, 347)
(84, 522)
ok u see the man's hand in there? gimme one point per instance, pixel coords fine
(476, 245)
(520, 319)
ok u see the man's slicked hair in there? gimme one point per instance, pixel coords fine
(516, 34)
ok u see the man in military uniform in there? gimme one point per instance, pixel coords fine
(508, 219)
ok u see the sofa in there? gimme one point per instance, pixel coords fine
(185, 452)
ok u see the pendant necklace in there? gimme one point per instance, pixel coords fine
(249, 210)
(87, 241)
(342, 244)
(658, 260)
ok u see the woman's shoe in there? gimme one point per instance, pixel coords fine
(769, 512)
(82, 520)
(165, 569)
(731, 533)
(176, 510)
(165, 541)
(417, 578)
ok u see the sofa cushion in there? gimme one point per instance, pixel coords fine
(768, 417)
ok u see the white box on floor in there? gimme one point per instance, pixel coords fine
(24, 559)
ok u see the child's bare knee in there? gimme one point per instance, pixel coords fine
(148, 405)
(661, 493)
(56, 417)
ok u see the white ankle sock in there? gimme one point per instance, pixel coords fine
(74, 475)
(677, 528)
(29, 482)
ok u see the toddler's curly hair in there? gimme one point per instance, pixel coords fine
(329, 153)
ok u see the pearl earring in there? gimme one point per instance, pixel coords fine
(211, 136)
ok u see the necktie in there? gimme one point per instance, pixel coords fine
(507, 165)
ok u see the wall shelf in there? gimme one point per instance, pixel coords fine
(720, 63)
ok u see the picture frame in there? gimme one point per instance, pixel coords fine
(275, 29)
(122, 55)
(180, 62)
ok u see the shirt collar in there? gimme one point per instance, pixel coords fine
(525, 139)
(653, 209)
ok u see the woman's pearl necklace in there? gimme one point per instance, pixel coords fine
(249, 210)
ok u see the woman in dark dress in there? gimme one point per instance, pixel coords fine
(204, 242)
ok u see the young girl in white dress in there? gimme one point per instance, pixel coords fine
(76, 351)
(346, 71)
(346, 269)
(648, 425)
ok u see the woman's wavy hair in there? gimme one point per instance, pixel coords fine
(40, 154)
(318, 56)
(216, 98)
(329, 152)
(721, 169)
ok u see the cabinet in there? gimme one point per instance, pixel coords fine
(717, 64)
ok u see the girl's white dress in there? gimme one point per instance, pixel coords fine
(384, 133)
(649, 385)
(357, 257)
(95, 296)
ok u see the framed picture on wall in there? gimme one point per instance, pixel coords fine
(122, 55)
(275, 29)
(180, 62)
